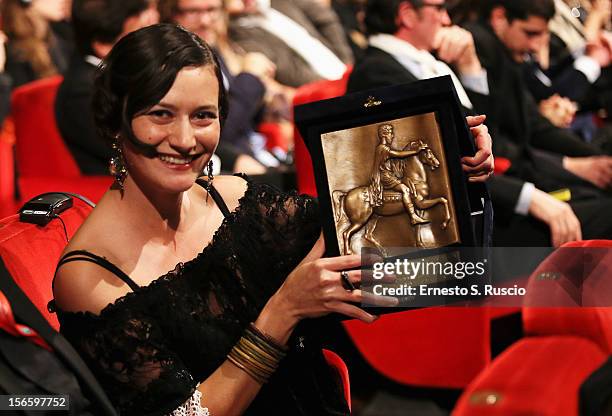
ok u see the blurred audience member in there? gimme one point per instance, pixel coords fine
(97, 24)
(565, 62)
(512, 30)
(351, 14)
(403, 36)
(509, 30)
(33, 50)
(594, 15)
(572, 66)
(303, 38)
(464, 11)
(278, 98)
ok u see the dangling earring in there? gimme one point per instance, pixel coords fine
(210, 172)
(209, 182)
(117, 165)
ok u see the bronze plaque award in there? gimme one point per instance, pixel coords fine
(387, 165)
(389, 185)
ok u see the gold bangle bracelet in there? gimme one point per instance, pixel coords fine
(264, 345)
(252, 361)
(264, 365)
(257, 354)
(246, 357)
(264, 356)
(249, 364)
(269, 340)
(246, 370)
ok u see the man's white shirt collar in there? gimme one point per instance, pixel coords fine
(421, 63)
(94, 60)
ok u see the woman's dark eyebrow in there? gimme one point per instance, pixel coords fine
(165, 105)
(208, 107)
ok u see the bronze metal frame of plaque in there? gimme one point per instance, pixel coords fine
(387, 168)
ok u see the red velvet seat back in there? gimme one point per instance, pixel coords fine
(31, 252)
(334, 361)
(7, 168)
(315, 91)
(593, 287)
(535, 376)
(40, 148)
(43, 160)
(434, 347)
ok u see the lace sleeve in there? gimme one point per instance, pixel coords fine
(127, 351)
(289, 225)
(192, 407)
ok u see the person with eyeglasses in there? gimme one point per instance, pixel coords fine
(411, 40)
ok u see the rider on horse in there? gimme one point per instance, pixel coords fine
(383, 176)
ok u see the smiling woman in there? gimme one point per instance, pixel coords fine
(184, 129)
(180, 302)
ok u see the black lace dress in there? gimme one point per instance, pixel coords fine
(150, 348)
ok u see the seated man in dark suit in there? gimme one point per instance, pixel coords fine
(402, 52)
(98, 24)
(525, 214)
(509, 30)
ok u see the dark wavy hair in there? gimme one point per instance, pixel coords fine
(101, 20)
(140, 70)
(522, 9)
(380, 15)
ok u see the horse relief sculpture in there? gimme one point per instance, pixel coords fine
(399, 185)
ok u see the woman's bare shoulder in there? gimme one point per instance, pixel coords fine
(83, 285)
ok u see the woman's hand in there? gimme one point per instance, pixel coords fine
(480, 166)
(313, 289)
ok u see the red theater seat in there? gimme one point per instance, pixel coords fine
(574, 282)
(536, 376)
(434, 347)
(43, 160)
(31, 252)
(315, 91)
(541, 374)
(339, 366)
(8, 205)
